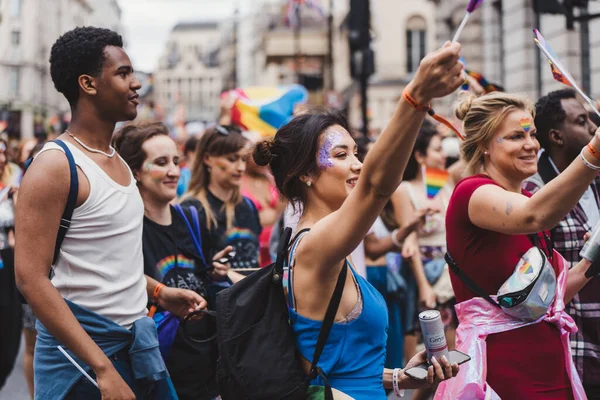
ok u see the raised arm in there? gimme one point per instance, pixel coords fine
(496, 209)
(38, 212)
(439, 74)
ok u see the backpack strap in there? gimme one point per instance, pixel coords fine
(475, 288)
(332, 308)
(294, 244)
(65, 221)
(327, 324)
(193, 230)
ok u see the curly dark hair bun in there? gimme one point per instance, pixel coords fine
(263, 152)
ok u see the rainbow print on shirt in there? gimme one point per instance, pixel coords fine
(236, 234)
(168, 263)
(435, 179)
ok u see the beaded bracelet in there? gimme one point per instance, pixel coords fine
(587, 163)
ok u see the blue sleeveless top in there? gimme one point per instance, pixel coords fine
(354, 355)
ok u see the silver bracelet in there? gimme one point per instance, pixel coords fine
(394, 239)
(587, 163)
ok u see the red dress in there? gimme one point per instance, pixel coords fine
(525, 363)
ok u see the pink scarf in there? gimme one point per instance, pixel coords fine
(479, 319)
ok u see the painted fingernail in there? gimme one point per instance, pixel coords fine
(434, 359)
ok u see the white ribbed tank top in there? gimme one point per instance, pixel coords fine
(101, 265)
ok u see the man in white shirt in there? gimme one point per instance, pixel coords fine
(95, 306)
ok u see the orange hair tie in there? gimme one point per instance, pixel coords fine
(427, 108)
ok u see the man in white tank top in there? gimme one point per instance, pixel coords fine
(99, 271)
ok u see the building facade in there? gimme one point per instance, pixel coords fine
(403, 32)
(189, 78)
(27, 31)
(498, 42)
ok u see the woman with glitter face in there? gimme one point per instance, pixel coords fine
(314, 162)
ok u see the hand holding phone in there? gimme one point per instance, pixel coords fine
(419, 372)
(227, 258)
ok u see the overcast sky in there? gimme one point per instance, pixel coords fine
(148, 23)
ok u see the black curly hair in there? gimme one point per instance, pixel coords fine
(549, 114)
(78, 52)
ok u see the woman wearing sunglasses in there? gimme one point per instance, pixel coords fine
(215, 189)
(173, 256)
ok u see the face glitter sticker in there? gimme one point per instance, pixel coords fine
(332, 139)
(525, 124)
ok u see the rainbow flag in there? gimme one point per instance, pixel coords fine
(526, 268)
(435, 180)
(265, 109)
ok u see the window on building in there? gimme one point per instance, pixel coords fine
(416, 33)
(14, 77)
(15, 9)
(15, 38)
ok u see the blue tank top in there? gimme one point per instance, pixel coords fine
(354, 354)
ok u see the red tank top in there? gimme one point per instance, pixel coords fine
(525, 363)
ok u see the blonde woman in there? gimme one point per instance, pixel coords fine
(490, 224)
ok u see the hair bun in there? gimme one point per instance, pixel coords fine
(262, 152)
(464, 105)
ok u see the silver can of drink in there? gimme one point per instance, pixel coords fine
(591, 248)
(433, 334)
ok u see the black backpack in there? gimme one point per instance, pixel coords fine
(257, 346)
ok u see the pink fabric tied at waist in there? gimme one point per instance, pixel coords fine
(478, 319)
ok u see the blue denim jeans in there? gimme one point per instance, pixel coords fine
(85, 390)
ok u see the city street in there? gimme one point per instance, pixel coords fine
(16, 388)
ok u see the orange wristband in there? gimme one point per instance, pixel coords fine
(414, 103)
(155, 300)
(420, 107)
(593, 150)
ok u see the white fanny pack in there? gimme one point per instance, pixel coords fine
(527, 294)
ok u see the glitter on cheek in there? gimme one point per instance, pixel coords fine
(331, 139)
(499, 140)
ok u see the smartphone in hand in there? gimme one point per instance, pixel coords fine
(419, 372)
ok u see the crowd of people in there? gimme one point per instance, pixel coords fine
(120, 242)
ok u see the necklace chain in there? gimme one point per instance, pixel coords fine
(109, 155)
